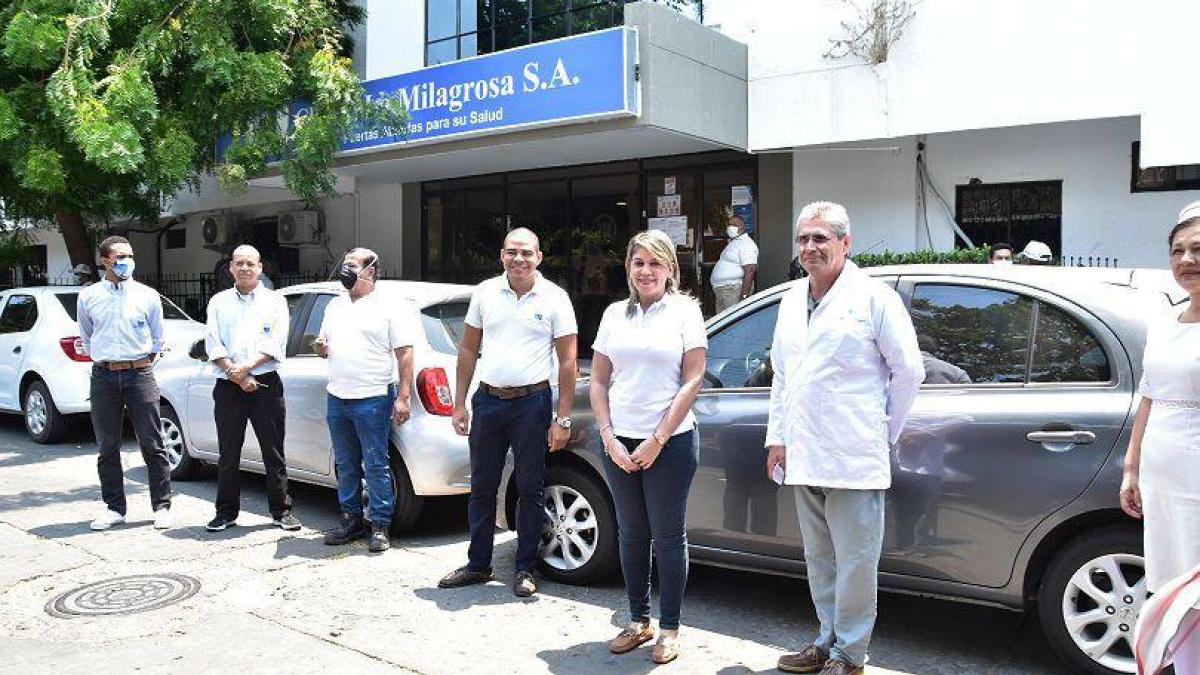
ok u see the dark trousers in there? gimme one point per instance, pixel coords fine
(497, 425)
(113, 394)
(651, 507)
(265, 410)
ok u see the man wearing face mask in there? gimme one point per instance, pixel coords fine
(365, 338)
(733, 276)
(120, 323)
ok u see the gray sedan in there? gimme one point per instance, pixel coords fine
(1004, 481)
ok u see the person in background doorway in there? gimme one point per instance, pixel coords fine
(84, 276)
(733, 276)
(1000, 253)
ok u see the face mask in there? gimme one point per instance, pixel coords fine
(1002, 262)
(123, 268)
(731, 232)
(348, 276)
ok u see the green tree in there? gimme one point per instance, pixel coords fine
(109, 107)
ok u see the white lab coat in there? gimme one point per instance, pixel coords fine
(844, 382)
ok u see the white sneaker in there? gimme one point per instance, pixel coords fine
(107, 520)
(163, 520)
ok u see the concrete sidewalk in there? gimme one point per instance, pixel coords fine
(272, 601)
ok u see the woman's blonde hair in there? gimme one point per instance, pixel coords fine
(661, 248)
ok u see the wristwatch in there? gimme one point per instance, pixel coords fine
(564, 422)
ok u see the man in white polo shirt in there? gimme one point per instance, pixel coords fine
(521, 321)
(733, 276)
(364, 337)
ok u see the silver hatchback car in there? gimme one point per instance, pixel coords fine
(1004, 481)
(428, 459)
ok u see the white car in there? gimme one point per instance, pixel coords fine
(44, 373)
(428, 458)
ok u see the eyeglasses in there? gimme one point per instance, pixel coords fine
(817, 239)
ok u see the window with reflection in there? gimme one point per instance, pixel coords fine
(1064, 350)
(740, 354)
(981, 331)
(459, 29)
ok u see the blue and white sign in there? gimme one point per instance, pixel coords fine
(584, 77)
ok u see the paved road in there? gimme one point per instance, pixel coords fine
(272, 601)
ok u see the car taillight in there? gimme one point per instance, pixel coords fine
(73, 348)
(433, 388)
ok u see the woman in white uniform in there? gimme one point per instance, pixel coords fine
(1162, 465)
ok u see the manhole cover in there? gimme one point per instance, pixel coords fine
(123, 595)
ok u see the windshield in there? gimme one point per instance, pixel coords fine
(443, 324)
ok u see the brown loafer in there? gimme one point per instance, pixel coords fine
(666, 649)
(840, 667)
(631, 638)
(465, 576)
(811, 659)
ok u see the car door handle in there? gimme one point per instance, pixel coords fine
(1075, 437)
(17, 349)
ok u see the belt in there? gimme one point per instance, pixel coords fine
(125, 365)
(508, 393)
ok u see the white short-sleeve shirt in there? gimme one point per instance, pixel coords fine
(362, 337)
(741, 250)
(519, 333)
(646, 350)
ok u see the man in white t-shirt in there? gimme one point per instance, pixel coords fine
(364, 336)
(733, 276)
(517, 323)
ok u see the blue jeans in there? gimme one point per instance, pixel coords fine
(496, 425)
(652, 506)
(360, 429)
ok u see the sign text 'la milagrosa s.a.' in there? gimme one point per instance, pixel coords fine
(582, 77)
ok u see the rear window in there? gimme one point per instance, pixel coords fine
(70, 302)
(443, 324)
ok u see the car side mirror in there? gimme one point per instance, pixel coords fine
(198, 351)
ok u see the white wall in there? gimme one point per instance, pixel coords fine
(959, 65)
(58, 263)
(379, 218)
(1101, 217)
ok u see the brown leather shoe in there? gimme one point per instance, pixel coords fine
(631, 638)
(666, 649)
(524, 585)
(465, 576)
(840, 667)
(811, 659)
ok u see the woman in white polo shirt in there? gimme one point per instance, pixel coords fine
(646, 371)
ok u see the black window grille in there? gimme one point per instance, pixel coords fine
(1014, 213)
(1162, 178)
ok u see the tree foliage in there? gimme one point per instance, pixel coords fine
(107, 107)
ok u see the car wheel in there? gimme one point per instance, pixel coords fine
(408, 504)
(42, 419)
(1090, 599)
(183, 466)
(579, 544)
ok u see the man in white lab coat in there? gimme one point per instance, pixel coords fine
(847, 369)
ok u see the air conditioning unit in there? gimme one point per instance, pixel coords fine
(218, 230)
(299, 227)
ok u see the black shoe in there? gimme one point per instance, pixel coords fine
(465, 576)
(220, 523)
(380, 541)
(524, 585)
(287, 522)
(353, 528)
